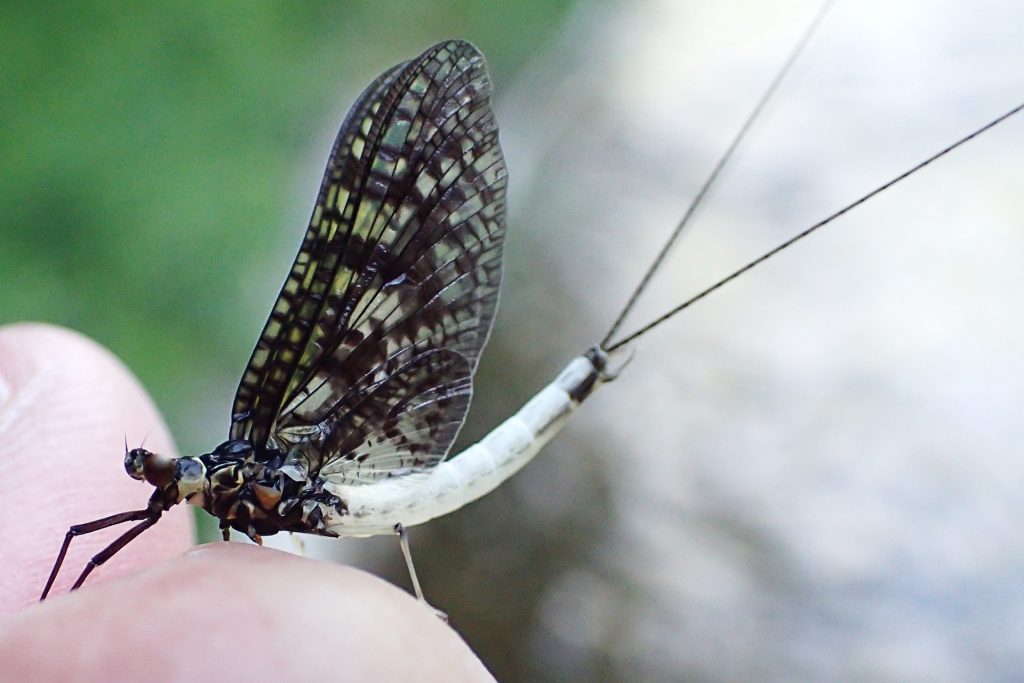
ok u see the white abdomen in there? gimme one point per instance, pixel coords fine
(416, 498)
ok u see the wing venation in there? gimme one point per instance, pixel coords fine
(379, 326)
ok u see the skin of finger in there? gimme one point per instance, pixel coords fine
(66, 406)
(228, 611)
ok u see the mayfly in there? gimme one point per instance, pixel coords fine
(362, 377)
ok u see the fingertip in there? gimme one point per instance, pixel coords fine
(66, 405)
(286, 618)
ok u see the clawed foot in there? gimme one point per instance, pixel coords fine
(443, 616)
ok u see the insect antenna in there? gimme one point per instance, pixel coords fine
(807, 231)
(712, 177)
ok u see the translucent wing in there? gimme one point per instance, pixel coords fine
(403, 424)
(367, 358)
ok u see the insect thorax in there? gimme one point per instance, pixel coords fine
(263, 492)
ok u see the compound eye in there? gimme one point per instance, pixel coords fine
(135, 463)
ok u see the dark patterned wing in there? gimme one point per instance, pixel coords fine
(402, 425)
(366, 361)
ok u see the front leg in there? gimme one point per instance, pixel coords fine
(112, 549)
(88, 528)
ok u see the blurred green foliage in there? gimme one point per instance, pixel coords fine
(160, 160)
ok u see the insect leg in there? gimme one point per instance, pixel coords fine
(88, 528)
(403, 540)
(111, 549)
(300, 545)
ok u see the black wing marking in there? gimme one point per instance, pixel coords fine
(403, 424)
(397, 277)
(276, 355)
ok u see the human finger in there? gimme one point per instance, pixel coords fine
(229, 611)
(66, 404)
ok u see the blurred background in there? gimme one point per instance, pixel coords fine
(814, 474)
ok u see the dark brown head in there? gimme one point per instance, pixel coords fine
(162, 471)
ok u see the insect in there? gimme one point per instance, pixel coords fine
(362, 377)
